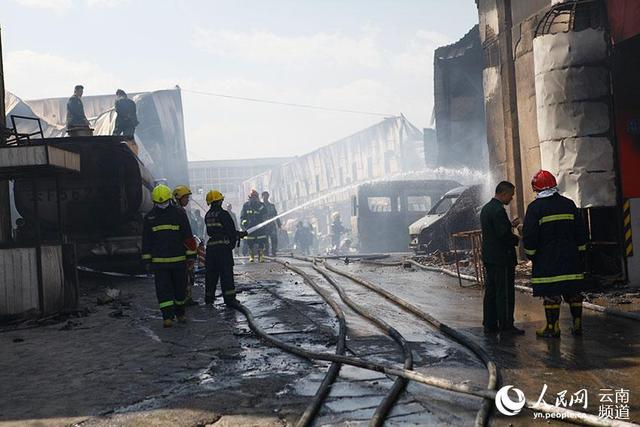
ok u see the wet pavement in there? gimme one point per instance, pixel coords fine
(605, 357)
(118, 366)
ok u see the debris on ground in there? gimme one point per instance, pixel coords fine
(108, 296)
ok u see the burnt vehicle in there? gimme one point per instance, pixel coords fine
(458, 210)
(101, 208)
(382, 211)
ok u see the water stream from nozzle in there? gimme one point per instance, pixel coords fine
(465, 175)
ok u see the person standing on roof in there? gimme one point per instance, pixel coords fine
(554, 240)
(75, 110)
(167, 244)
(127, 118)
(253, 213)
(219, 256)
(499, 257)
(271, 230)
(182, 196)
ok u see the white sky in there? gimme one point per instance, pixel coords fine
(370, 55)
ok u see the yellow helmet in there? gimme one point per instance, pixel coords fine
(214, 196)
(180, 191)
(160, 194)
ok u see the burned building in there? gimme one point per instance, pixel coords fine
(226, 176)
(547, 83)
(390, 147)
(459, 104)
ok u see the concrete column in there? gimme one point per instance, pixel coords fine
(510, 106)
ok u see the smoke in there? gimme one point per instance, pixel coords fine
(464, 176)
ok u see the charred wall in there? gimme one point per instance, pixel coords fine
(459, 103)
(507, 29)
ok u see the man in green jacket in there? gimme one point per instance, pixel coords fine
(499, 257)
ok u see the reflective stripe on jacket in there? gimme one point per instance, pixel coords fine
(220, 227)
(554, 235)
(253, 213)
(167, 238)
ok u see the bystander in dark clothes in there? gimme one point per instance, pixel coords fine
(499, 257)
(75, 110)
(127, 118)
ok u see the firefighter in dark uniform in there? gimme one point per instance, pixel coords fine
(219, 256)
(271, 230)
(253, 213)
(167, 243)
(555, 240)
(499, 257)
(337, 229)
(181, 195)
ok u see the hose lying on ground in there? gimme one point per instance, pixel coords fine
(400, 383)
(593, 307)
(445, 271)
(325, 387)
(587, 305)
(570, 415)
(487, 406)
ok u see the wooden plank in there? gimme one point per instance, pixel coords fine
(64, 159)
(23, 156)
(18, 289)
(39, 155)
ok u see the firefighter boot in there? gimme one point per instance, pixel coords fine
(167, 323)
(182, 319)
(552, 328)
(251, 259)
(576, 313)
(261, 255)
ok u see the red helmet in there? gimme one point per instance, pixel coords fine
(543, 180)
(253, 194)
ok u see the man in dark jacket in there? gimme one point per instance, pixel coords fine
(554, 237)
(337, 229)
(127, 117)
(219, 257)
(75, 110)
(499, 256)
(271, 230)
(167, 244)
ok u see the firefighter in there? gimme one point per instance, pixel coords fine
(182, 196)
(219, 256)
(336, 231)
(554, 240)
(167, 244)
(253, 213)
(271, 230)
